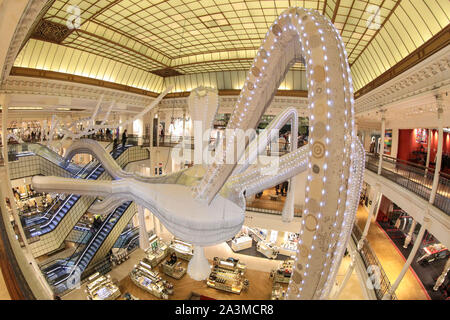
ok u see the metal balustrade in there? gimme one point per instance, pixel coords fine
(414, 177)
(382, 283)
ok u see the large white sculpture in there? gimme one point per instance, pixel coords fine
(214, 211)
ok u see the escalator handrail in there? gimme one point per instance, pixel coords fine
(67, 199)
(79, 173)
(108, 218)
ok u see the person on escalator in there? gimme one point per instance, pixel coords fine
(124, 138)
(97, 223)
(115, 142)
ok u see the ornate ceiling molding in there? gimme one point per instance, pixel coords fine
(20, 34)
(46, 87)
(429, 75)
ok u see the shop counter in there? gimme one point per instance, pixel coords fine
(157, 250)
(228, 275)
(277, 292)
(267, 249)
(150, 281)
(288, 248)
(182, 249)
(241, 243)
(173, 268)
(283, 273)
(100, 287)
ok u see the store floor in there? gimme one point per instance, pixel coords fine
(4, 294)
(391, 260)
(258, 270)
(266, 203)
(427, 273)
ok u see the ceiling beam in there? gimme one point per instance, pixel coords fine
(381, 27)
(336, 7)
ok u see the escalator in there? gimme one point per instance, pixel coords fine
(91, 172)
(127, 238)
(58, 274)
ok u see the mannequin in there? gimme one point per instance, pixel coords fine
(379, 146)
(372, 145)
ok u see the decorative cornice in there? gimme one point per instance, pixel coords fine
(29, 16)
(45, 87)
(429, 75)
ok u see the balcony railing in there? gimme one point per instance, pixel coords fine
(382, 284)
(414, 177)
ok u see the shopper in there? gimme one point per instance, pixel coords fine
(124, 138)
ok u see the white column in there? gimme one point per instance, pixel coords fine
(438, 154)
(373, 210)
(348, 273)
(443, 275)
(287, 214)
(410, 233)
(143, 235)
(411, 256)
(199, 268)
(427, 163)
(154, 224)
(383, 129)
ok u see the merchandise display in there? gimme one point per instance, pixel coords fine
(119, 255)
(182, 249)
(268, 249)
(433, 252)
(101, 287)
(289, 246)
(242, 242)
(149, 280)
(228, 275)
(277, 292)
(173, 267)
(283, 273)
(257, 234)
(157, 250)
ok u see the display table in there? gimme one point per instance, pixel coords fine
(157, 250)
(228, 275)
(277, 292)
(288, 248)
(173, 268)
(256, 234)
(182, 249)
(267, 249)
(433, 252)
(241, 243)
(100, 287)
(149, 280)
(283, 273)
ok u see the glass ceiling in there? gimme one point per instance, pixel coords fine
(193, 37)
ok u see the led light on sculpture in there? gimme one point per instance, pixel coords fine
(333, 160)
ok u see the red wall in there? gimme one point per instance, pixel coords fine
(407, 144)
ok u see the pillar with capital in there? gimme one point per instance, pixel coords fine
(383, 129)
(143, 235)
(410, 233)
(440, 116)
(412, 254)
(373, 211)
